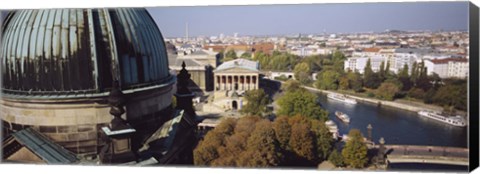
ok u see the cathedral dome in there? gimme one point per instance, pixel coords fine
(65, 53)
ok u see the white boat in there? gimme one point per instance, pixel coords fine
(342, 116)
(449, 119)
(333, 128)
(341, 98)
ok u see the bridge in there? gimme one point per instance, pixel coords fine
(426, 154)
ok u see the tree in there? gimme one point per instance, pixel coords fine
(262, 146)
(302, 144)
(336, 159)
(257, 101)
(404, 72)
(282, 131)
(204, 154)
(387, 91)
(246, 55)
(291, 85)
(344, 83)
(428, 98)
(387, 69)
(371, 79)
(301, 102)
(355, 81)
(417, 93)
(315, 62)
(355, 151)
(226, 127)
(338, 61)
(323, 139)
(454, 95)
(381, 72)
(302, 72)
(404, 78)
(414, 74)
(230, 55)
(327, 80)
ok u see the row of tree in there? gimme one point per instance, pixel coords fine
(411, 82)
(256, 142)
(288, 141)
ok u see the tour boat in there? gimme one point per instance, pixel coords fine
(342, 116)
(341, 98)
(449, 119)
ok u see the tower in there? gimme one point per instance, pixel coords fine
(186, 31)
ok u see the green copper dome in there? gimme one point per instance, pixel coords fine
(65, 52)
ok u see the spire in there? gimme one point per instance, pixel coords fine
(184, 95)
(183, 80)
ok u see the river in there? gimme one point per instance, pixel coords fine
(395, 125)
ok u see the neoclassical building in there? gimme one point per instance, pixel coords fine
(232, 79)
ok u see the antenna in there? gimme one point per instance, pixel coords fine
(186, 31)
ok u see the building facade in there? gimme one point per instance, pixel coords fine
(232, 79)
(458, 68)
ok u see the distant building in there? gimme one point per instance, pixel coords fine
(201, 73)
(437, 66)
(358, 64)
(448, 68)
(458, 68)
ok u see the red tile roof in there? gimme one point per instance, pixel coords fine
(445, 61)
(371, 50)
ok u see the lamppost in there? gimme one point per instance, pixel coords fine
(381, 151)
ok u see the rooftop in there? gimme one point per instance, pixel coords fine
(445, 61)
(41, 146)
(239, 63)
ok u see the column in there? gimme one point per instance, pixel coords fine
(251, 82)
(217, 83)
(224, 83)
(230, 80)
(257, 82)
(243, 82)
(247, 81)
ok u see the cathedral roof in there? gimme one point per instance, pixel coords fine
(67, 52)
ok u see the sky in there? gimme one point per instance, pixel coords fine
(310, 18)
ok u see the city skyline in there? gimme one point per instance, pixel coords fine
(284, 19)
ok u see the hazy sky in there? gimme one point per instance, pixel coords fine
(313, 18)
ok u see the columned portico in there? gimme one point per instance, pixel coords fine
(236, 82)
(232, 80)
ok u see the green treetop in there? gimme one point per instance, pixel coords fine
(355, 151)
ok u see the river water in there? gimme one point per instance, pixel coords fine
(395, 125)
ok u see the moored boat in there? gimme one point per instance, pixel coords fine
(341, 98)
(333, 128)
(454, 120)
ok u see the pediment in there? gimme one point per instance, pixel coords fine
(236, 70)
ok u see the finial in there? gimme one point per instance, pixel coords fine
(183, 65)
(382, 141)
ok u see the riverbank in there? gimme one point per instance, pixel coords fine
(397, 104)
(393, 104)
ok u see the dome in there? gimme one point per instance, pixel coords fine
(75, 52)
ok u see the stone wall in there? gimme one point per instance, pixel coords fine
(76, 125)
(72, 125)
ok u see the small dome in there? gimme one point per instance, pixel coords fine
(71, 51)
